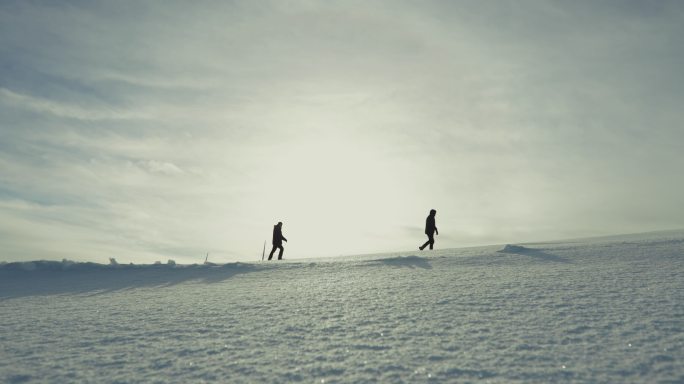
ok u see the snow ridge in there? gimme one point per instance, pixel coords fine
(598, 310)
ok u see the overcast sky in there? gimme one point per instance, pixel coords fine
(153, 130)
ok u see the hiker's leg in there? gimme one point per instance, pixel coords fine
(424, 245)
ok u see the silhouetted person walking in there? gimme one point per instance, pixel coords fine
(277, 241)
(430, 230)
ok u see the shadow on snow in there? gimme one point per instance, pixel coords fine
(405, 261)
(46, 278)
(98, 278)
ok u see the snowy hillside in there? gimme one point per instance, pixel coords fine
(601, 310)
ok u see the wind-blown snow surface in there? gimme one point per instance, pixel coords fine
(607, 310)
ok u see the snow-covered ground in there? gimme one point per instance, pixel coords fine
(598, 310)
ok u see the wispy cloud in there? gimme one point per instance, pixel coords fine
(41, 105)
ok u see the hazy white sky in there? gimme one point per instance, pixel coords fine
(153, 130)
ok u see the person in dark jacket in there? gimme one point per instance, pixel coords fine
(430, 230)
(278, 239)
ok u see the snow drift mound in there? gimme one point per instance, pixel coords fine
(510, 248)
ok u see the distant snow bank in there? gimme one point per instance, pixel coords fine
(673, 237)
(69, 265)
(32, 278)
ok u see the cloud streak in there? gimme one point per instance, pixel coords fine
(63, 110)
